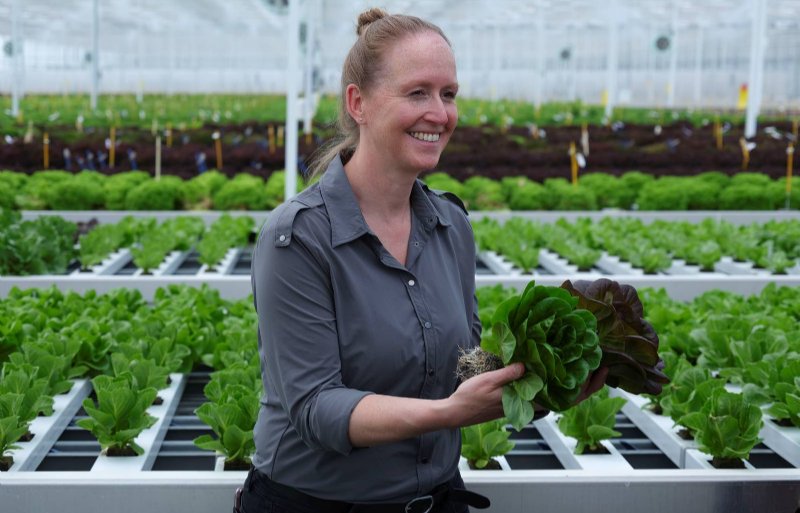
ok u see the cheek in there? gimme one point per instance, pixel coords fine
(452, 117)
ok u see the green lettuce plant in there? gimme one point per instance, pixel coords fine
(10, 432)
(22, 379)
(231, 415)
(120, 414)
(592, 421)
(557, 342)
(689, 390)
(726, 427)
(481, 443)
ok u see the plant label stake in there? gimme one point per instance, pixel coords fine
(271, 139)
(280, 136)
(534, 130)
(158, 157)
(745, 153)
(218, 149)
(46, 144)
(168, 134)
(585, 139)
(28, 137)
(112, 147)
(789, 163)
(573, 161)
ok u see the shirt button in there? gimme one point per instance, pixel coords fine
(431, 372)
(425, 460)
(411, 283)
(282, 238)
(427, 324)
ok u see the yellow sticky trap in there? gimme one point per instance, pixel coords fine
(280, 136)
(604, 98)
(741, 103)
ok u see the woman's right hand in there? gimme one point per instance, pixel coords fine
(480, 398)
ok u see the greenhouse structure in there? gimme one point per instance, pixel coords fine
(628, 172)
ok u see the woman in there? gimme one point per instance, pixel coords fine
(365, 288)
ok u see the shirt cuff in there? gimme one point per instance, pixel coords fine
(330, 419)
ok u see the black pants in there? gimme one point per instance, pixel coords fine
(261, 495)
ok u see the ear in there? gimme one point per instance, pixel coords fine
(354, 102)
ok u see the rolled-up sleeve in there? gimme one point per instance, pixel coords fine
(299, 341)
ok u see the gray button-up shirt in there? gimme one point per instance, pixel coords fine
(340, 318)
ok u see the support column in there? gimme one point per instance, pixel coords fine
(95, 53)
(755, 85)
(16, 49)
(698, 69)
(612, 66)
(308, 94)
(540, 55)
(292, 90)
(673, 58)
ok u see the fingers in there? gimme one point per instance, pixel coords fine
(507, 374)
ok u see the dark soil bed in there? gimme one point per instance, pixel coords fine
(679, 150)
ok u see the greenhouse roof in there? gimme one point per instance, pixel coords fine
(69, 21)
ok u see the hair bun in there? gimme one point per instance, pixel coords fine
(367, 17)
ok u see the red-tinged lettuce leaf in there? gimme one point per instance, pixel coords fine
(628, 341)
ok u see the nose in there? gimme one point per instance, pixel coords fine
(437, 111)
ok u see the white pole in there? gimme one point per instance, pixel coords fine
(613, 59)
(673, 58)
(95, 53)
(756, 81)
(308, 104)
(540, 55)
(292, 89)
(16, 49)
(698, 70)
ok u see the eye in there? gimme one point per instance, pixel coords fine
(418, 92)
(450, 95)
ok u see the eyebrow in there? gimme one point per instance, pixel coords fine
(426, 83)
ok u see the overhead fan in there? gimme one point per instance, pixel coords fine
(663, 43)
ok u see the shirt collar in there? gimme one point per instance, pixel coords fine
(347, 221)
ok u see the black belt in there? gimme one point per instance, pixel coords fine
(442, 494)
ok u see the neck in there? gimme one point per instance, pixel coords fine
(381, 192)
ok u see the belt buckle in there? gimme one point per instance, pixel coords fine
(414, 505)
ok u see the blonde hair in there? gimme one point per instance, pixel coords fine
(363, 66)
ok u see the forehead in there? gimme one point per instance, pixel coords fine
(422, 57)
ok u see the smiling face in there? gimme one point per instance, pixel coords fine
(410, 113)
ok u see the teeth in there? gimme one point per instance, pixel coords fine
(423, 136)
